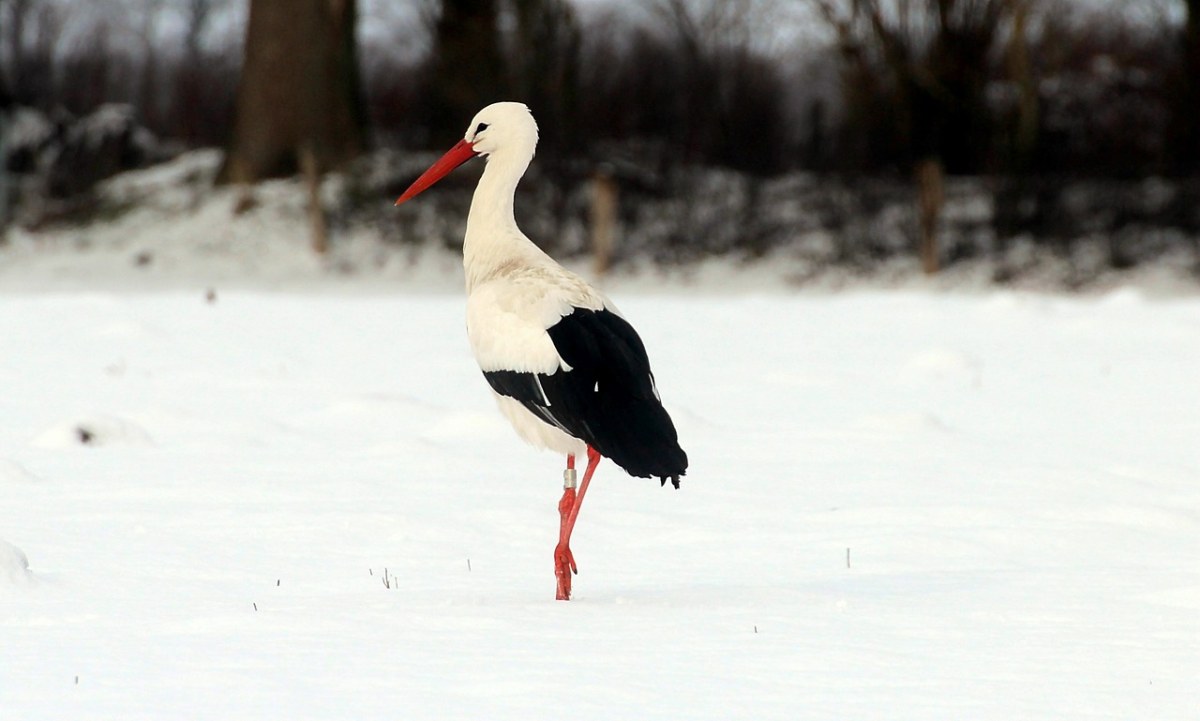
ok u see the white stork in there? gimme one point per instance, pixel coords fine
(567, 370)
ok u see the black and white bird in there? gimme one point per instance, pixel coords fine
(567, 370)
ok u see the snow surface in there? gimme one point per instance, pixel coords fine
(302, 505)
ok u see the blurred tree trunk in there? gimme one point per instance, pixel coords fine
(299, 91)
(1020, 72)
(189, 100)
(14, 37)
(1187, 114)
(32, 33)
(467, 69)
(545, 64)
(1022, 145)
(7, 102)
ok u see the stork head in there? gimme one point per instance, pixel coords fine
(500, 132)
(503, 128)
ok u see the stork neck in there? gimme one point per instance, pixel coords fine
(493, 239)
(492, 205)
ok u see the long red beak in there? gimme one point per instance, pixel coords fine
(456, 156)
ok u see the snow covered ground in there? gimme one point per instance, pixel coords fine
(302, 505)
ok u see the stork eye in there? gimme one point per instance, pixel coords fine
(480, 128)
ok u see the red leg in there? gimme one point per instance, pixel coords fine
(568, 510)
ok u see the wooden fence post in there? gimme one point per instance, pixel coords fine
(604, 220)
(929, 202)
(316, 215)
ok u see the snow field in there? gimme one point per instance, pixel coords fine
(900, 505)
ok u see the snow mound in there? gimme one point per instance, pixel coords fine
(13, 472)
(28, 132)
(96, 430)
(14, 565)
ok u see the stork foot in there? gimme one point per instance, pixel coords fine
(564, 568)
(564, 561)
(568, 511)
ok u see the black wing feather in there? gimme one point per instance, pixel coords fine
(607, 399)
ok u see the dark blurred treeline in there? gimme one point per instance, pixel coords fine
(1051, 87)
(845, 133)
